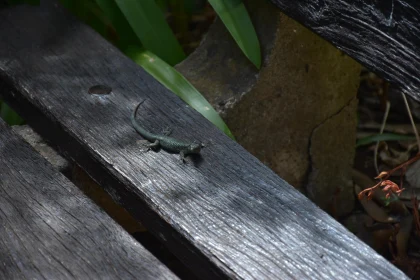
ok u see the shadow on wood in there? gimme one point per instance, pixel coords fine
(49, 229)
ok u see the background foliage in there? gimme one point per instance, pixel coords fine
(141, 31)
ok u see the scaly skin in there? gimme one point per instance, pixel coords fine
(166, 142)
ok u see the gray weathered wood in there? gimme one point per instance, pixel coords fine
(383, 35)
(50, 230)
(224, 214)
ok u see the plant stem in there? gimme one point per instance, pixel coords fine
(411, 120)
(375, 155)
(402, 165)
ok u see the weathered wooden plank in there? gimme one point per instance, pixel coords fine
(224, 214)
(50, 230)
(383, 35)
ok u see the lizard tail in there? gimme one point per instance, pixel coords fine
(133, 116)
(142, 131)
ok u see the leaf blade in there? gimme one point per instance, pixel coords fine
(236, 19)
(383, 137)
(126, 35)
(90, 13)
(10, 116)
(150, 26)
(175, 82)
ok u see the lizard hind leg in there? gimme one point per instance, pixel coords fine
(154, 145)
(167, 131)
(147, 146)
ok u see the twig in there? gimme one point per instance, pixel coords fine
(384, 175)
(394, 128)
(415, 203)
(411, 120)
(375, 155)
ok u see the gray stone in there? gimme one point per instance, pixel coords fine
(304, 95)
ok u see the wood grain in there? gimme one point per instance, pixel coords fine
(383, 35)
(50, 230)
(224, 214)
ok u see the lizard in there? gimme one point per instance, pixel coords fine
(164, 141)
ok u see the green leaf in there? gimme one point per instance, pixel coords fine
(162, 4)
(126, 35)
(383, 137)
(90, 13)
(236, 19)
(150, 26)
(9, 116)
(175, 82)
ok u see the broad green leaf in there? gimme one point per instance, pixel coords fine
(9, 116)
(90, 13)
(383, 137)
(163, 5)
(150, 26)
(236, 19)
(126, 35)
(175, 82)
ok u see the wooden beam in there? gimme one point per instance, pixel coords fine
(382, 35)
(224, 214)
(50, 230)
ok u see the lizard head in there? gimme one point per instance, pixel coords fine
(195, 148)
